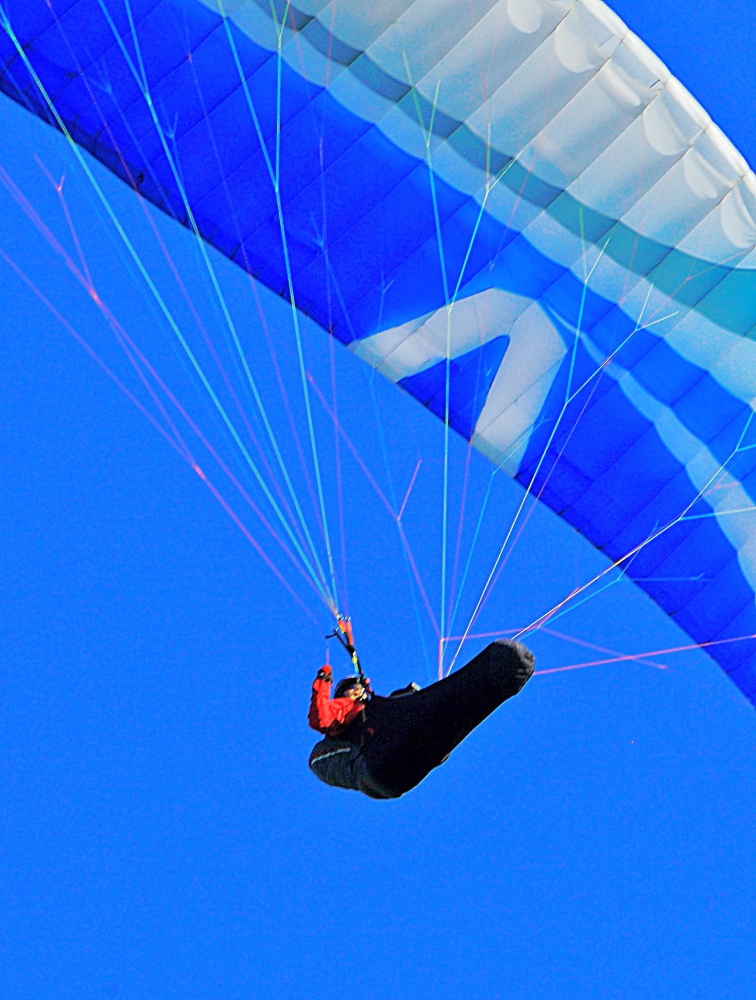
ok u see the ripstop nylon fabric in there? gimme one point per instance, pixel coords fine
(458, 186)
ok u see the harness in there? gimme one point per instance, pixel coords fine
(329, 751)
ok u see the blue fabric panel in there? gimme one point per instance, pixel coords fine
(383, 168)
(741, 628)
(666, 375)
(17, 83)
(558, 484)
(212, 80)
(743, 675)
(615, 329)
(205, 159)
(704, 548)
(95, 106)
(570, 300)
(522, 269)
(164, 37)
(304, 147)
(609, 427)
(745, 472)
(634, 251)
(555, 425)
(469, 244)
(672, 498)
(732, 304)
(470, 379)
(197, 152)
(686, 279)
(51, 74)
(702, 405)
(416, 288)
(348, 244)
(121, 120)
(29, 20)
(71, 94)
(83, 32)
(648, 560)
(744, 651)
(625, 489)
(704, 617)
(586, 497)
(227, 85)
(467, 250)
(380, 240)
(706, 410)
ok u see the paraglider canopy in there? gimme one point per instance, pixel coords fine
(523, 220)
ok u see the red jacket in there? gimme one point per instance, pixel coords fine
(327, 715)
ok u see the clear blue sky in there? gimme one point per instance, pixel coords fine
(162, 836)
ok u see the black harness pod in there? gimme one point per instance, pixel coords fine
(397, 741)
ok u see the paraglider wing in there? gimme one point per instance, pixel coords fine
(510, 209)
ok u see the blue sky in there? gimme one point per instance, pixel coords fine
(161, 834)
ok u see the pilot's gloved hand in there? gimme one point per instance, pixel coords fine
(325, 674)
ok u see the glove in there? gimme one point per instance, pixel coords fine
(325, 674)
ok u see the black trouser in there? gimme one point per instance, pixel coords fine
(402, 739)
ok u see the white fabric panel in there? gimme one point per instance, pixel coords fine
(605, 17)
(506, 205)
(520, 389)
(730, 358)
(734, 159)
(418, 39)
(459, 172)
(409, 132)
(594, 118)
(555, 105)
(420, 344)
(491, 193)
(728, 233)
(633, 163)
(559, 244)
(527, 15)
(539, 88)
(598, 114)
(316, 66)
(359, 23)
(488, 54)
(376, 349)
(684, 196)
(363, 101)
(313, 7)
(611, 280)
